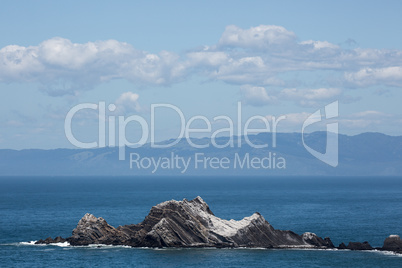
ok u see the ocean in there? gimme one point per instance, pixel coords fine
(343, 208)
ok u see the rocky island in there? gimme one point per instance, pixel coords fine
(192, 224)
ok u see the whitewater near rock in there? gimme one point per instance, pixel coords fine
(192, 224)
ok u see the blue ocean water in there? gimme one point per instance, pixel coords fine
(343, 208)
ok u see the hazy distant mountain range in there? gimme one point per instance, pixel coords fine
(363, 154)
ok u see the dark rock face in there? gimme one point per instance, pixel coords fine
(191, 224)
(318, 241)
(92, 230)
(49, 240)
(342, 246)
(359, 246)
(393, 243)
(329, 242)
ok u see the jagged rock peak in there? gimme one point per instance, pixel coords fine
(88, 218)
(200, 210)
(92, 230)
(196, 205)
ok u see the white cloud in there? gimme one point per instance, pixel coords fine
(245, 70)
(260, 37)
(390, 76)
(127, 103)
(64, 67)
(320, 44)
(209, 58)
(19, 63)
(259, 56)
(63, 53)
(256, 96)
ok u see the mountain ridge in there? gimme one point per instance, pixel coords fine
(359, 155)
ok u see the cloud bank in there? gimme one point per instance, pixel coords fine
(256, 59)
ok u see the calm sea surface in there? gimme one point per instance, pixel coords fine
(343, 208)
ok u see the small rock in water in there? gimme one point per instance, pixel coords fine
(359, 246)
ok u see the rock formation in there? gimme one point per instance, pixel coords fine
(192, 224)
(393, 243)
(50, 240)
(359, 246)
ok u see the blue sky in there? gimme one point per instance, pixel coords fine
(277, 58)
